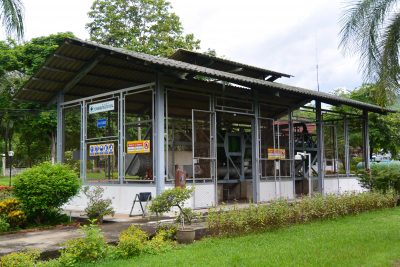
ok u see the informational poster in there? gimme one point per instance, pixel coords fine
(101, 149)
(274, 153)
(139, 146)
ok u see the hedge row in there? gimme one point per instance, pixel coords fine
(281, 213)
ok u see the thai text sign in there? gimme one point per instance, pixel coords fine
(274, 153)
(101, 150)
(140, 146)
(102, 107)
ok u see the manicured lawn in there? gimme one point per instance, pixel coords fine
(369, 239)
(5, 180)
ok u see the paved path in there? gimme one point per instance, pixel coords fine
(50, 241)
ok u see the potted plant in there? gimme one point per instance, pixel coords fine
(97, 207)
(176, 197)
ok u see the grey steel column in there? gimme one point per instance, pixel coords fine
(346, 147)
(320, 148)
(121, 138)
(83, 155)
(60, 130)
(159, 150)
(291, 151)
(366, 139)
(255, 132)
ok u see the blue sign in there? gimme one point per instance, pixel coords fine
(101, 123)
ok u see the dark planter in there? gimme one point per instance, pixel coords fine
(185, 235)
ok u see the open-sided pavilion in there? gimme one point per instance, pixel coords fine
(133, 122)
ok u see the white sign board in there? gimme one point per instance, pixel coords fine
(101, 107)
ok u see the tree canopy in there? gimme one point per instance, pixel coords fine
(27, 128)
(383, 129)
(371, 29)
(147, 26)
(11, 15)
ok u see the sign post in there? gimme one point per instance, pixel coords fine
(10, 155)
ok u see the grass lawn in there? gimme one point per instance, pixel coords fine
(369, 239)
(5, 180)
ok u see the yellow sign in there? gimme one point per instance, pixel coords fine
(101, 150)
(274, 153)
(136, 147)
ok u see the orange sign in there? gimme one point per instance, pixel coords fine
(274, 153)
(136, 147)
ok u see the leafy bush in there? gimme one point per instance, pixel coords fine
(168, 231)
(49, 263)
(10, 210)
(281, 213)
(5, 192)
(97, 207)
(159, 243)
(132, 242)
(189, 214)
(382, 176)
(75, 165)
(90, 248)
(8, 205)
(4, 225)
(45, 188)
(174, 197)
(20, 259)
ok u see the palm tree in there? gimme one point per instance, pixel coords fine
(11, 14)
(371, 29)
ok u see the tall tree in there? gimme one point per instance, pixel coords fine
(371, 29)
(146, 26)
(11, 14)
(27, 128)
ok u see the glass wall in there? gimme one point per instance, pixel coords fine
(356, 148)
(138, 141)
(102, 126)
(72, 117)
(179, 139)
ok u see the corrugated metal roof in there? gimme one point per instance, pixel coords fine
(74, 54)
(227, 65)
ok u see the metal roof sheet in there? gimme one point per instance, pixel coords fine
(227, 65)
(74, 53)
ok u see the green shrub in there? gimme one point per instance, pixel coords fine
(8, 205)
(45, 188)
(174, 197)
(49, 263)
(168, 231)
(90, 248)
(159, 243)
(75, 165)
(20, 259)
(10, 210)
(97, 207)
(4, 225)
(382, 176)
(281, 213)
(132, 242)
(189, 214)
(5, 192)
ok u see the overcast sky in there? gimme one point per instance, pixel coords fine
(284, 35)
